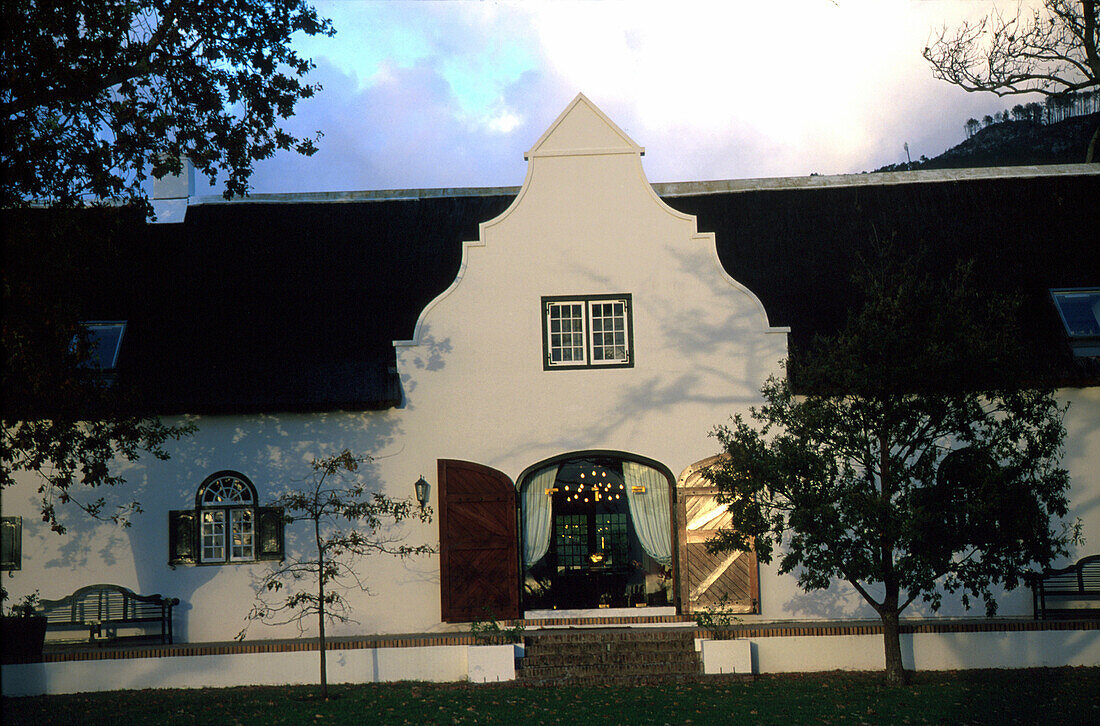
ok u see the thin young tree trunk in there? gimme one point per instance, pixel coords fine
(321, 608)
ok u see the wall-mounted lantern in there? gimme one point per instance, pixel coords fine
(422, 492)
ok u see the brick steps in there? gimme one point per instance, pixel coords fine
(609, 657)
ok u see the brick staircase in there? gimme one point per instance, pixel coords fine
(609, 657)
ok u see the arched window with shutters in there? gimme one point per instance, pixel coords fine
(226, 525)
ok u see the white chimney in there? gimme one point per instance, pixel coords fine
(171, 194)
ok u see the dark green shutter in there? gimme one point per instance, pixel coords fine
(11, 543)
(183, 537)
(270, 532)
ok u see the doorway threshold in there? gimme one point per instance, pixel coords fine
(604, 617)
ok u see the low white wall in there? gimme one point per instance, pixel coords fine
(480, 664)
(929, 651)
(726, 656)
(491, 663)
(368, 665)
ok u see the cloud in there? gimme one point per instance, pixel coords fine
(452, 94)
(407, 130)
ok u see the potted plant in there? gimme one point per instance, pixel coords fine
(22, 631)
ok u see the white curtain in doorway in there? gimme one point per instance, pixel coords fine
(535, 514)
(649, 509)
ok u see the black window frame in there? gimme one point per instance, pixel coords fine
(185, 532)
(586, 302)
(1083, 344)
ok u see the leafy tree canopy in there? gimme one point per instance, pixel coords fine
(99, 94)
(894, 471)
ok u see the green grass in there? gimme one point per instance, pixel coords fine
(1046, 696)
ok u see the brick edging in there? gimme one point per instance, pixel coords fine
(412, 641)
(780, 630)
(199, 649)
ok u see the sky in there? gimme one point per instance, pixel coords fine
(451, 94)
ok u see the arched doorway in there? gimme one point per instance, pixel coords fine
(596, 530)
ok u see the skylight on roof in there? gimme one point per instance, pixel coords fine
(1080, 312)
(105, 337)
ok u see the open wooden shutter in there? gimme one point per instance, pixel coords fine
(706, 579)
(11, 543)
(183, 537)
(270, 522)
(478, 546)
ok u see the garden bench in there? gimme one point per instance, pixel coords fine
(102, 609)
(1071, 592)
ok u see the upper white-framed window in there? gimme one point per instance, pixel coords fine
(587, 331)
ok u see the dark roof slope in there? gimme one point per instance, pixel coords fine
(797, 248)
(294, 306)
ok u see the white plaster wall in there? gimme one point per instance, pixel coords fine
(1082, 459)
(274, 451)
(586, 222)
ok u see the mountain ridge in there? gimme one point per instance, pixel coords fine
(1014, 143)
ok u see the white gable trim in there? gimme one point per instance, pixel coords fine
(415, 340)
(708, 238)
(628, 147)
(610, 151)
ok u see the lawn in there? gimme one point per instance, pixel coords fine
(1047, 696)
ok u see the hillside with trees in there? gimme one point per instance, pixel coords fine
(1005, 140)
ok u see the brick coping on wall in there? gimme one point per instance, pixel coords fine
(80, 652)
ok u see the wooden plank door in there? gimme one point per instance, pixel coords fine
(706, 580)
(478, 544)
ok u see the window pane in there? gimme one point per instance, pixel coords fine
(571, 541)
(242, 529)
(566, 327)
(608, 344)
(213, 536)
(106, 339)
(227, 490)
(1080, 311)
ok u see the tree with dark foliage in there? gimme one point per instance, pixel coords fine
(98, 94)
(911, 463)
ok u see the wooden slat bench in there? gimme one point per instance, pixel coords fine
(1055, 590)
(102, 609)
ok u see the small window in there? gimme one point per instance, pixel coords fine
(226, 525)
(1079, 310)
(587, 332)
(11, 543)
(105, 338)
